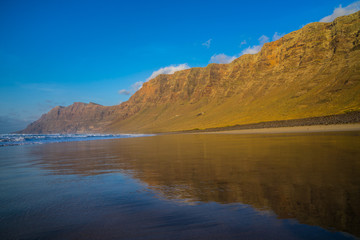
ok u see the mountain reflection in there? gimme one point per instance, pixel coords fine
(312, 178)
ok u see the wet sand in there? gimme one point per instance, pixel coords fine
(184, 186)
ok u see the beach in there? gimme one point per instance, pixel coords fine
(296, 129)
(331, 123)
(184, 186)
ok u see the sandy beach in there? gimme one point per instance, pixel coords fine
(297, 129)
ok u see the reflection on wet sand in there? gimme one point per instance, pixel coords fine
(312, 178)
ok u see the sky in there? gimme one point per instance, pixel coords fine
(59, 52)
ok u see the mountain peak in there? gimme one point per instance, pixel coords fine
(311, 72)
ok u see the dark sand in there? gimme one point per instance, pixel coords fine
(341, 122)
(298, 129)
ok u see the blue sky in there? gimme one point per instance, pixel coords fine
(58, 52)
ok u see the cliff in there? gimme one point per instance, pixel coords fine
(312, 72)
(76, 118)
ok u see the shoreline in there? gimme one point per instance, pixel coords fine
(295, 129)
(340, 122)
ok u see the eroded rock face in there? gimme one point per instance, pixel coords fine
(76, 118)
(314, 71)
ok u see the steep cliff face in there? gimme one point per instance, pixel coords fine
(314, 71)
(76, 118)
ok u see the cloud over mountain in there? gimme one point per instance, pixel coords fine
(124, 92)
(168, 70)
(277, 36)
(340, 11)
(256, 48)
(221, 58)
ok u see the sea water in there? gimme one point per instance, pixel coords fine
(26, 139)
(184, 186)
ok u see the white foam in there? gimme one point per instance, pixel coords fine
(25, 139)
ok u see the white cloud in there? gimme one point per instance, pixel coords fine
(136, 86)
(252, 50)
(207, 43)
(255, 49)
(263, 39)
(133, 88)
(221, 58)
(168, 70)
(277, 36)
(340, 11)
(124, 92)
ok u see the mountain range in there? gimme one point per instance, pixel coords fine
(311, 72)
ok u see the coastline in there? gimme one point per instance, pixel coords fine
(295, 129)
(331, 123)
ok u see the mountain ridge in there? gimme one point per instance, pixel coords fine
(314, 71)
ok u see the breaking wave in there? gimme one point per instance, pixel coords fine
(26, 139)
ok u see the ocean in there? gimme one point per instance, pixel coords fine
(27, 139)
(182, 186)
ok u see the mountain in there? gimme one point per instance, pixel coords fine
(312, 72)
(76, 118)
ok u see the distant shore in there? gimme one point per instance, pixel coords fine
(341, 122)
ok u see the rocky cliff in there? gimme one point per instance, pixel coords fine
(314, 71)
(76, 118)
